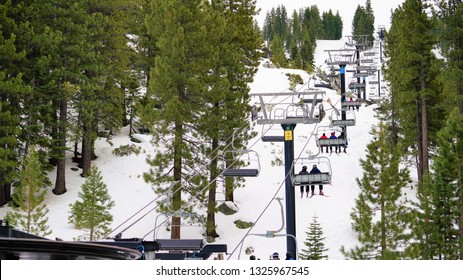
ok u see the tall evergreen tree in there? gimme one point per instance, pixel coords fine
(338, 25)
(412, 70)
(332, 25)
(451, 42)
(381, 217)
(411, 60)
(29, 210)
(106, 67)
(92, 213)
(312, 21)
(177, 86)
(296, 36)
(278, 52)
(363, 22)
(39, 42)
(314, 242)
(446, 238)
(11, 88)
(234, 67)
(58, 69)
(268, 30)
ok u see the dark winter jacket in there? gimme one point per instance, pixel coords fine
(315, 170)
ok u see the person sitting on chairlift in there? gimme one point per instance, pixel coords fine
(333, 136)
(304, 171)
(323, 137)
(342, 136)
(351, 106)
(315, 170)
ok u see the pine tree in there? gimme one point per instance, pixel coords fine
(451, 45)
(328, 25)
(314, 242)
(296, 36)
(380, 216)
(177, 86)
(235, 39)
(29, 212)
(338, 25)
(11, 88)
(92, 213)
(106, 67)
(55, 42)
(412, 70)
(363, 22)
(40, 45)
(446, 236)
(278, 52)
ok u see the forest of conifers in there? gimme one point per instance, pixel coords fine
(73, 71)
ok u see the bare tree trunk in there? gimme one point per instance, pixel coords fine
(177, 193)
(229, 182)
(229, 189)
(395, 133)
(424, 124)
(60, 183)
(419, 148)
(5, 192)
(86, 158)
(211, 205)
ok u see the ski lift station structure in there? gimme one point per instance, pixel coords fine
(287, 109)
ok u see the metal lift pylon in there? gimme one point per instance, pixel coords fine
(289, 109)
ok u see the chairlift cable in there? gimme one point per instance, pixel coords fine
(159, 196)
(179, 189)
(271, 200)
(207, 186)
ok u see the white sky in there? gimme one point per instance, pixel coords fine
(346, 8)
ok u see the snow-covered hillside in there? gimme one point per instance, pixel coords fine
(123, 176)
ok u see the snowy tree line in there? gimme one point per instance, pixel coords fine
(73, 71)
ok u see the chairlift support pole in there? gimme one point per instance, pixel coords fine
(358, 64)
(342, 71)
(360, 42)
(289, 190)
(288, 123)
(342, 58)
(381, 38)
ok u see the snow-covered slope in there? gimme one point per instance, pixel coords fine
(123, 176)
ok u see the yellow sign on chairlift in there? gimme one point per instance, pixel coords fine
(288, 135)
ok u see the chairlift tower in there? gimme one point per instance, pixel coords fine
(289, 109)
(360, 42)
(342, 58)
(381, 35)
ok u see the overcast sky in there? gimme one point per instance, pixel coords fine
(346, 8)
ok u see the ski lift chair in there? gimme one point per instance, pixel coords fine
(247, 161)
(349, 121)
(323, 178)
(337, 142)
(354, 103)
(272, 133)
